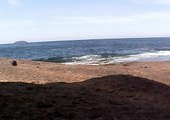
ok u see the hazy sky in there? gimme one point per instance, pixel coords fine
(42, 20)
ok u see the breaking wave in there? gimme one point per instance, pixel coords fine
(110, 59)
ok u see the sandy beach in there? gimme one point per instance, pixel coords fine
(46, 72)
(47, 91)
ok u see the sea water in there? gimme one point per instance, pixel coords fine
(94, 52)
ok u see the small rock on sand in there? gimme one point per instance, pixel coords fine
(14, 63)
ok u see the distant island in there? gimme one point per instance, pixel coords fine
(21, 42)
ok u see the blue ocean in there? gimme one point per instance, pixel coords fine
(91, 52)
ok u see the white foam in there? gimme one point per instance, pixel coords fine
(88, 57)
(97, 59)
(87, 60)
(148, 56)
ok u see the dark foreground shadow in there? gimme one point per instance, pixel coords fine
(119, 97)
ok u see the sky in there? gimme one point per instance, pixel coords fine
(48, 20)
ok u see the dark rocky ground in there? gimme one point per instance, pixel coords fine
(117, 97)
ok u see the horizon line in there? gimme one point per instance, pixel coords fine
(65, 40)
